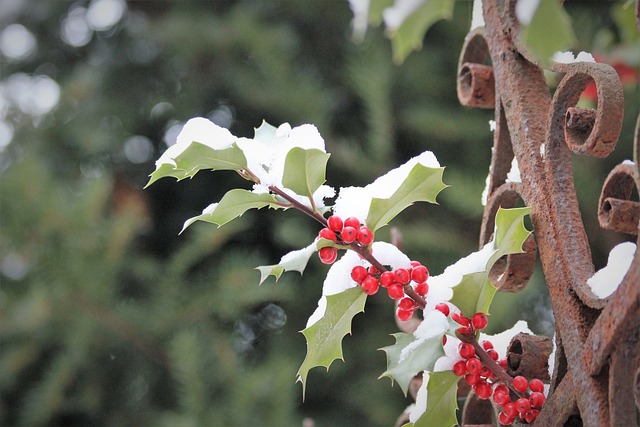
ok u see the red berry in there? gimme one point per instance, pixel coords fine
(352, 221)
(465, 331)
(365, 236)
(531, 415)
(387, 279)
(537, 399)
(503, 363)
(327, 233)
(373, 271)
(520, 383)
(404, 315)
(419, 274)
(443, 308)
(466, 350)
(474, 366)
(402, 276)
(505, 420)
(444, 340)
(482, 389)
(359, 273)
(479, 320)
(460, 368)
(511, 409)
(415, 264)
(335, 223)
(536, 385)
(422, 288)
(501, 397)
(486, 345)
(493, 354)
(395, 291)
(328, 254)
(406, 304)
(486, 372)
(348, 234)
(370, 285)
(523, 405)
(472, 379)
(460, 319)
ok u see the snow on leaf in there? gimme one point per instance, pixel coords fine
(232, 205)
(304, 170)
(324, 338)
(293, 261)
(475, 292)
(408, 21)
(422, 184)
(441, 401)
(606, 280)
(196, 157)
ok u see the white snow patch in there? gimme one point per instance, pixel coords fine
(355, 201)
(451, 355)
(477, 20)
(360, 21)
(628, 162)
(395, 15)
(421, 399)
(435, 323)
(605, 281)
(492, 125)
(568, 58)
(501, 341)
(543, 148)
(514, 173)
(525, 10)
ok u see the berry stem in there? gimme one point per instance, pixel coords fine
(296, 204)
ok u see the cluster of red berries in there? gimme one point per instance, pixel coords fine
(370, 279)
(484, 382)
(527, 407)
(343, 232)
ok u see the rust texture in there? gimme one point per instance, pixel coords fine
(596, 377)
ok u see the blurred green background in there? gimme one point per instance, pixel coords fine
(108, 317)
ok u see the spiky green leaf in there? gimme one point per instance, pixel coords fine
(197, 157)
(442, 390)
(475, 292)
(324, 338)
(421, 356)
(421, 185)
(409, 35)
(293, 261)
(304, 170)
(232, 205)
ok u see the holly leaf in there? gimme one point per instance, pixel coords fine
(304, 170)
(421, 185)
(475, 292)
(197, 157)
(293, 261)
(409, 35)
(324, 338)
(232, 205)
(442, 390)
(549, 30)
(409, 356)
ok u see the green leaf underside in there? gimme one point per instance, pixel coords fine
(297, 261)
(324, 338)
(421, 358)
(304, 170)
(421, 185)
(442, 390)
(411, 32)
(232, 205)
(549, 30)
(197, 157)
(475, 291)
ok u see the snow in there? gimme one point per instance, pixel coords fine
(492, 125)
(434, 324)
(514, 173)
(605, 281)
(628, 162)
(525, 10)
(339, 275)
(360, 22)
(355, 201)
(542, 150)
(472, 263)
(420, 406)
(451, 355)
(568, 58)
(477, 20)
(501, 341)
(395, 15)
